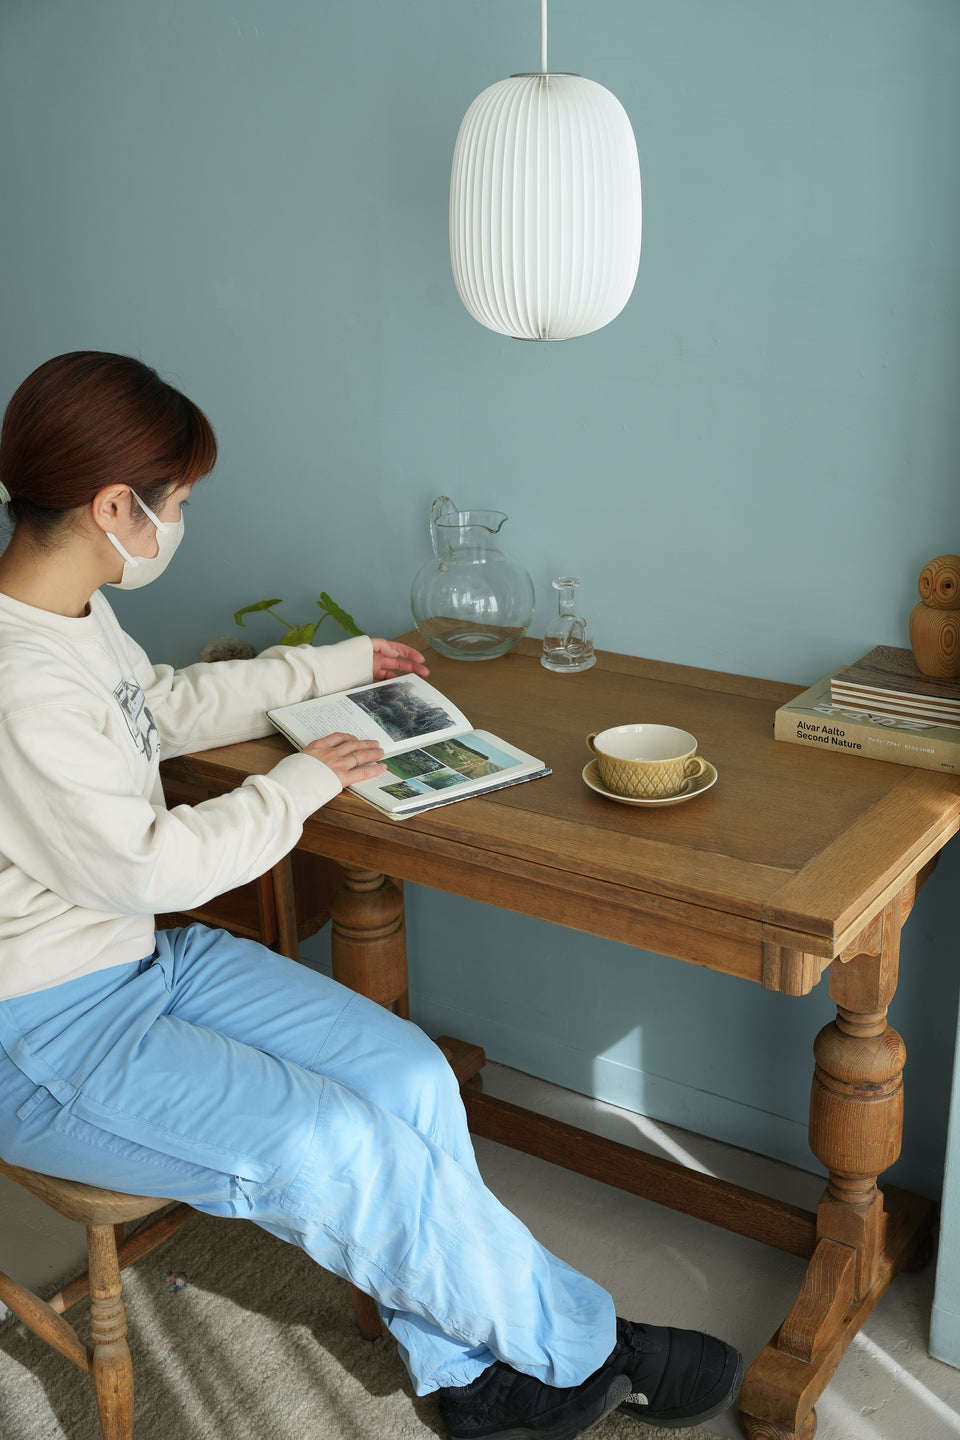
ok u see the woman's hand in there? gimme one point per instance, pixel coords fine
(350, 759)
(391, 658)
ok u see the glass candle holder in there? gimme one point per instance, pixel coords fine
(567, 643)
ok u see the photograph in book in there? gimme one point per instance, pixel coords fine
(449, 760)
(449, 770)
(432, 754)
(401, 710)
(412, 762)
(400, 714)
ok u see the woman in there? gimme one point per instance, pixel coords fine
(197, 1066)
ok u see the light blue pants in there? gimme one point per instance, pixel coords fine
(222, 1074)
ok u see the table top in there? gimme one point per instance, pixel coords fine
(791, 848)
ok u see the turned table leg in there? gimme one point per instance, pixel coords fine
(856, 1113)
(856, 1125)
(368, 942)
(368, 947)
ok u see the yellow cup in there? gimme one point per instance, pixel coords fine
(647, 762)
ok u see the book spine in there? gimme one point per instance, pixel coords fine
(870, 741)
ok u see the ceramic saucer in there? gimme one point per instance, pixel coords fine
(591, 775)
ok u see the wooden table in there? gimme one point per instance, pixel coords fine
(794, 863)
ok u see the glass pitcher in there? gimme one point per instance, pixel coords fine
(471, 601)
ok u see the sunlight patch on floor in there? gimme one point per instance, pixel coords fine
(660, 1138)
(932, 1402)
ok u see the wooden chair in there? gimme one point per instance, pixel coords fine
(104, 1213)
(280, 909)
(109, 1251)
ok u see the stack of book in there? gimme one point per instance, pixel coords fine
(883, 708)
(886, 680)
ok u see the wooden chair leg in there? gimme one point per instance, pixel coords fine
(43, 1320)
(140, 1243)
(285, 906)
(366, 1312)
(111, 1364)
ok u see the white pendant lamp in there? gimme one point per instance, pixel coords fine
(545, 205)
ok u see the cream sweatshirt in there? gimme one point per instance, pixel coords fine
(89, 851)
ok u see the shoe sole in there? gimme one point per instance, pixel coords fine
(641, 1413)
(591, 1406)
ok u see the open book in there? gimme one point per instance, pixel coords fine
(432, 754)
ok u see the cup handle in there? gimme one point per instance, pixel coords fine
(694, 767)
(590, 739)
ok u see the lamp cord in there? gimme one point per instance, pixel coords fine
(543, 37)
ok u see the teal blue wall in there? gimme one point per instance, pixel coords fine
(945, 1312)
(748, 468)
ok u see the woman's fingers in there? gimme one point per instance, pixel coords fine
(350, 759)
(391, 657)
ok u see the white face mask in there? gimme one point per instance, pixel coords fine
(141, 569)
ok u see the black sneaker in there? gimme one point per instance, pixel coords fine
(678, 1377)
(511, 1406)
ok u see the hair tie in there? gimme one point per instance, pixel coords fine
(5, 496)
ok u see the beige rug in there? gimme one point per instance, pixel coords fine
(236, 1336)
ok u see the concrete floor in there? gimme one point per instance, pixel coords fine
(660, 1266)
(665, 1268)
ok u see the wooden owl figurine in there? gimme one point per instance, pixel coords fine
(935, 622)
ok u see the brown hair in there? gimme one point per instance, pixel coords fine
(89, 419)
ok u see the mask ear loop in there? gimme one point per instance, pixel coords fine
(130, 559)
(162, 526)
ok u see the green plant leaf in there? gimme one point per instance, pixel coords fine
(247, 609)
(299, 635)
(345, 621)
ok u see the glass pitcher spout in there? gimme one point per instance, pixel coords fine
(471, 601)
(450, 527)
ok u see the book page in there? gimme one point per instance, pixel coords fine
(400, 714)
(444, 770)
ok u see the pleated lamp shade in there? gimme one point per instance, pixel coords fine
(545, 211)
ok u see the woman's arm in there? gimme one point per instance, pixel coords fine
(76, 823)
(225, 701)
